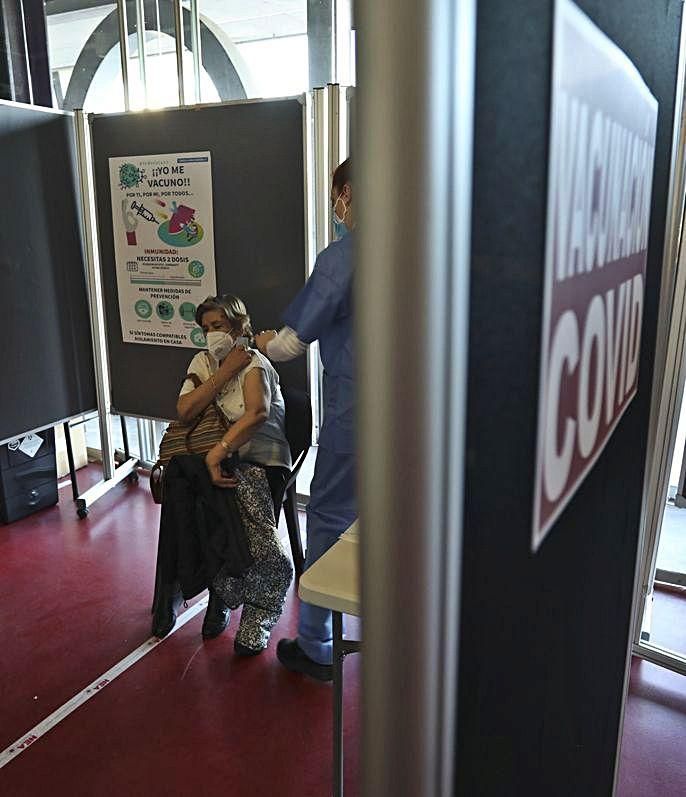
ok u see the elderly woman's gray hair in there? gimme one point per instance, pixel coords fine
(233, 307)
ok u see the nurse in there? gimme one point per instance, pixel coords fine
(323, 311)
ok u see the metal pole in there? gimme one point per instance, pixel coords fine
(412, 195)
(337, 628)
(125, 437)
(309, 180)
(26, 59)
(70, 459)
(320, 46)
(322, 186)
(124, 50)
(141, 439)
(346, 119)
(335, 77)
(334, 133)
(178, 33)
(152, 440)
(322, 226)
(140, 35)
(196, 47)
(102, 377)
(310, 239)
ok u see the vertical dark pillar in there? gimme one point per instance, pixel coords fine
(37, 48)
(320, 33)
(544, 637)
(24, 66)
(15, 80)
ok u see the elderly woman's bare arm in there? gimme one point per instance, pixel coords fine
(256, 400)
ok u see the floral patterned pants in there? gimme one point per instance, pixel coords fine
(262, 590)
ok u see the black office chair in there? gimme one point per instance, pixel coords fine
(299, 436)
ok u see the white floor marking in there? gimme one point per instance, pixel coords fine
(32, 736)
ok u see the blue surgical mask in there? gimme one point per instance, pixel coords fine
(339, 229)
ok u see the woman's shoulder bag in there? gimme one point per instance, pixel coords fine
(196, 437)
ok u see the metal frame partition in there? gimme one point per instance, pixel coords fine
(330, 146)
(668, 387)
(112, 475)
(669, 375)
(316, 140)
(414, 182)
(326, 139)
(147, 426)
(147, 432)
(180, 44)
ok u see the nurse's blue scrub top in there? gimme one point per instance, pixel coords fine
(323, 311)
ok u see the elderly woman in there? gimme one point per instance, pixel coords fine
(246, 389)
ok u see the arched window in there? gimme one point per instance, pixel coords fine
(243, 54)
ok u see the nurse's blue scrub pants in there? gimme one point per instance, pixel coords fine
(331, 510)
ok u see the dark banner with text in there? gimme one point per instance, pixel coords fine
(602, 148)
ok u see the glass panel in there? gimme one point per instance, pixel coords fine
(160, 71)
(161, 76)
(345, 44)
(266, 42)
(664, 623)
(106, 90)
(161, 83)
(188, 60)
(93, 435)
(89, 38)
(277, 67)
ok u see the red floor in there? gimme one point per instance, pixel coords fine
(668, 628)
(653, 756)
(189, 718)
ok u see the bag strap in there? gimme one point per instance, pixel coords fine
(194, 378)
(220, 414)
(197, 382)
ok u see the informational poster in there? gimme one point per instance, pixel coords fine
(600, 172)
(163, 245)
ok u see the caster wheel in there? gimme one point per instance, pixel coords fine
(82, 513)
(132, 478)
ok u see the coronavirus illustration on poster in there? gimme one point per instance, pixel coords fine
(163, 245)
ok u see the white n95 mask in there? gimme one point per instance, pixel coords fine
(219, 344)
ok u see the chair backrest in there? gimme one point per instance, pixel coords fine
(298, 423)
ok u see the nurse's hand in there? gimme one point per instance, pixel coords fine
(215, 456)
(235, 361)
(263, 339)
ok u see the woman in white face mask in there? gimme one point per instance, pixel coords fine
(246, 389)
(244, 384)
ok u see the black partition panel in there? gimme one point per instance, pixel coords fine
(47, 361)
(259, 227)
(544, 636)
